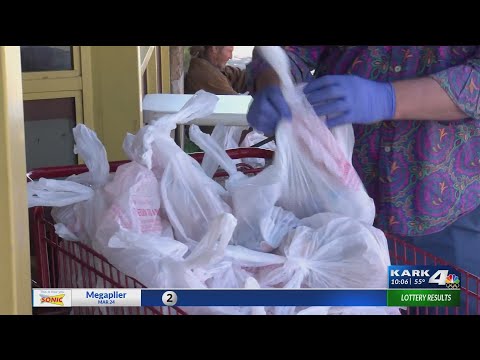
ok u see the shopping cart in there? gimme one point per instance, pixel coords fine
(70, 264)
(58, 262)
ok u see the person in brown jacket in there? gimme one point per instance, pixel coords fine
(209, 71)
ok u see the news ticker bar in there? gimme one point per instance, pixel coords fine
(245, 297)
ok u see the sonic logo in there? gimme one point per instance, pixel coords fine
(53, 299)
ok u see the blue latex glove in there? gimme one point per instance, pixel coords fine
(267, 109)
(348, 99)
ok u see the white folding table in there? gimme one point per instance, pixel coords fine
(230, 110)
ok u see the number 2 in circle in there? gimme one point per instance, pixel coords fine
(169, 298)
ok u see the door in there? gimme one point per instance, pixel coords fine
(53, 106)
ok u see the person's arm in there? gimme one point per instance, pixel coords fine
(219, 85)
(454, 95)
(425, 99)
(451, 94)
(237, 78)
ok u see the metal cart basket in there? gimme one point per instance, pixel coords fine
(57, 262)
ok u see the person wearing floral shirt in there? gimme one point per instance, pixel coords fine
(416, 116)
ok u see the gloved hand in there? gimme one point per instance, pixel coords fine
(351, 99)
(267, 109)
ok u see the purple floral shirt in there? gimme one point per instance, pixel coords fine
(423, 175)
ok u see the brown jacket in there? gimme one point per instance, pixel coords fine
(203, 75)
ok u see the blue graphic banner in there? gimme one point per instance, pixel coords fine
(264, 297)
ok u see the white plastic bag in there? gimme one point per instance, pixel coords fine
(227, 137)
(317, 176)
(164, 265)
(50, 192)
(340, 253)
(190, 198)
(261, 224)
(349, 310)
(76, 221)
(153, 146)
(133, 200)
(93, 153)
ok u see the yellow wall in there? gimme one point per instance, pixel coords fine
(112, 85)
(15, 278)
(116, 95)
(112, 104)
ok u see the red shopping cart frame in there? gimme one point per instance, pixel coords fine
(59, 262)
(241, 153)
(69, 264)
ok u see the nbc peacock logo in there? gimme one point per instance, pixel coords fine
(452, 281)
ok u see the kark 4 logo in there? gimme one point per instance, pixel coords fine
(435, 276)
